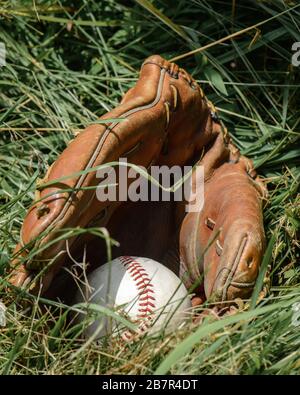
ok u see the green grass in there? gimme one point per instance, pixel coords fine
(62, 75)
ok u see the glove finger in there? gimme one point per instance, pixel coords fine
(225, 241)
(195, 229)
(231, 264)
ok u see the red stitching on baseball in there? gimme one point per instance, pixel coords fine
(146, 291)
(147, 297)
(145, 310)
(137, 277)
(147, 303)
(144, 286)
(135, 272)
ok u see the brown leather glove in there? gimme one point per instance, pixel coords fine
(165, 120)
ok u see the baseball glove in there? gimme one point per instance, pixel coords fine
(165, 119)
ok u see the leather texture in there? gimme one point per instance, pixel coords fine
(165, 119)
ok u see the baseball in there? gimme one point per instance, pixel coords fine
(145, 291)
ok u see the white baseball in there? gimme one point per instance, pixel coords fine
(150, 294)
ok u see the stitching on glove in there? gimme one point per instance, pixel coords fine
(133, 149)
(167, 107)
(155, 63)
(219, 248)
(236, 262)
(175, 96)
(243, 284)
(185, 75)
